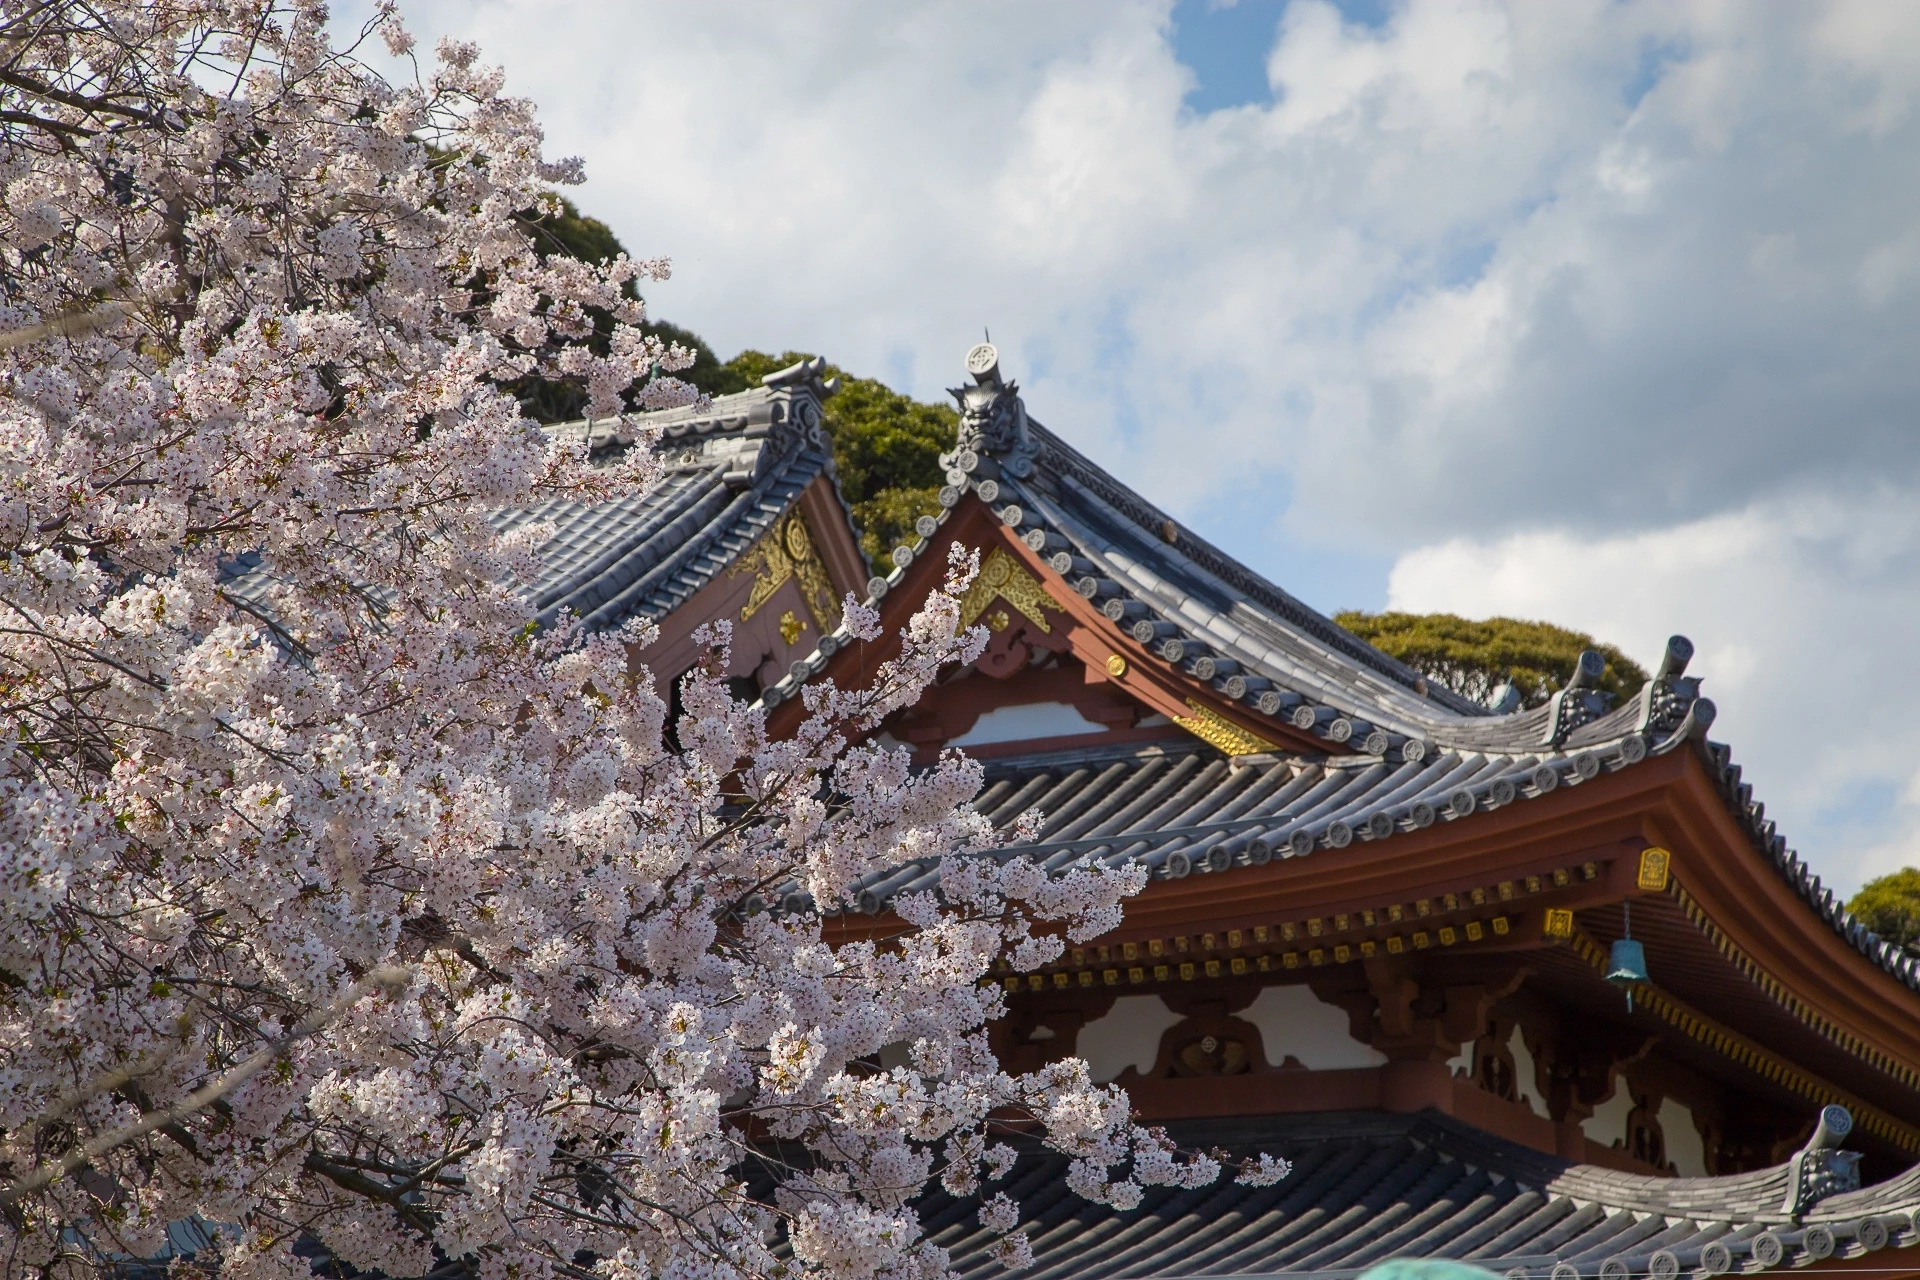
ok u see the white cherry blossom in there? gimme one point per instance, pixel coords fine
(338, 901)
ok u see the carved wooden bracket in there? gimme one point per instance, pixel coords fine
(1208, 1042)
(1580, 1067)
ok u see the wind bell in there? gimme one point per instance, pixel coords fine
(1627, 963)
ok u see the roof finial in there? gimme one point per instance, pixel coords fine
(983, 362)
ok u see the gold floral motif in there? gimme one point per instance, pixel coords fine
(999, 620)
(1216, 730)
(1003, 577)
(791, 626)
(787, 552)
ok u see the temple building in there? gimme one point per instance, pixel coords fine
(1543, 990)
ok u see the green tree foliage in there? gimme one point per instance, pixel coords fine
(1890, 906)
(1475, 658)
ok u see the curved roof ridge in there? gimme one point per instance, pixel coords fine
(1231, 572)
(1153, 589)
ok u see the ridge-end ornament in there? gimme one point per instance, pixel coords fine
(983, 359)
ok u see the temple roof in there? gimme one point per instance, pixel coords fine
(1196, 609)
(1204, 612)
(1368, 1186)
(734, 464)
(1400, 754)
(1184, 807)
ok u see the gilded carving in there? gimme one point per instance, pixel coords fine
(1655, 863)
(791, 626)
(787, 552)
(1216, 730)
(1004, 578)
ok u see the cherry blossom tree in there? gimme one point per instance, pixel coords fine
(339, 902)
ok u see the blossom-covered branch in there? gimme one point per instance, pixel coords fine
(340, 901)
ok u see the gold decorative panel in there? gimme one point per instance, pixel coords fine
(785, 552)
(1216, 730)
(1005, 578)
(1655, 864)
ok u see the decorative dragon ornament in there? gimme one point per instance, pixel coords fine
(992, 418)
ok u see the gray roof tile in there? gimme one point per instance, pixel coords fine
(1367, 1187)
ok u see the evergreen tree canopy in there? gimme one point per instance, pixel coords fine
(561, 228)
(1890, 906)
(1475, 658)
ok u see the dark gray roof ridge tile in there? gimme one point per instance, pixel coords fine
(734, 463)
(1313, 669)
(1067, 461)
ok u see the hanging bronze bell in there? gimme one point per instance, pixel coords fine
(1627, 963)
(1627, 966)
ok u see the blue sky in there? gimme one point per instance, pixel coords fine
(1225, 45)
(1602, 312)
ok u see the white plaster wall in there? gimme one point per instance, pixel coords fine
(1462, 1065)
(1524, 1078)
(1029, 720)
(1608, 1124)
(1292, 1020)
(1684, 1145)
(1128, 1036)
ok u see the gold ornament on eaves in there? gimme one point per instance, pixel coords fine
(786, 553)
(1216, 730)
(1001, 577)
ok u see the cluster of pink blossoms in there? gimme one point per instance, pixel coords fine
(340, 903)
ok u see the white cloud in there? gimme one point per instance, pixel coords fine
(1637, 278)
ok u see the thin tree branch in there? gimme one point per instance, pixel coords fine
(387, 978)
